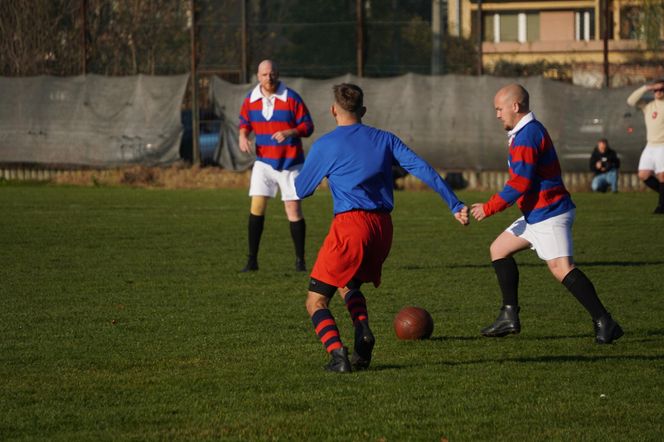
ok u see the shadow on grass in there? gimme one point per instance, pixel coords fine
(635, 336)
(456, 338)
(382, 367)
(540, 264)
(524, 360)
(642, 336)
(557, 358)
(646, 335)
(618, 263)
(555, 337)
(535, 264)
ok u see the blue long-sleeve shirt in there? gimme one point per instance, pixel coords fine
(357, 161)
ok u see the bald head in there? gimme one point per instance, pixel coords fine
(512, 103)
(516, 93)
(268, 64)
(268, 76)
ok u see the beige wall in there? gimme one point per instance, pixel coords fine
(557, 32)
(557, 25)
(516, 5)
(621, 51)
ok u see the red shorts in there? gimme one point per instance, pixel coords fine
(355, 247)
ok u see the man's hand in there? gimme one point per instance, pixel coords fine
(245, 144)
(477, 210)
(462, 216)
(281, 135)
(653, 86)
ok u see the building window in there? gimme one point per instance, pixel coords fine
(532, 26)
(511, 26)
(584, 25)
(631, 18)
(489, 24)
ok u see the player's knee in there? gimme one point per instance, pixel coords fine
(644, 174)
(559, 271)
(315, 302)
(293, 210)
(497, 251)
(319, 295)
(258, 205)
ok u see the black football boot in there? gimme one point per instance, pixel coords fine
(364, 344)
(252, 265)
(507, 323)
(339, 361)
(300, 265)
(607, 330)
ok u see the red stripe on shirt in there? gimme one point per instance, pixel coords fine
(494, 205)
(523, 154)
(550, 196)
(542, 199)
(278, 152)
(549, 171)
(518, 182)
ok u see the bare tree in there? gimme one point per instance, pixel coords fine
(138, 36)
(121, 37)
(653, 23)
(38, 37)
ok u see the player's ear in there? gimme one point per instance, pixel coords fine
(333, 111)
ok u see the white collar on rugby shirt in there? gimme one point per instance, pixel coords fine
(281, 93)
(522, 122)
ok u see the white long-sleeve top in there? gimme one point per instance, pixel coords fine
(653, 111)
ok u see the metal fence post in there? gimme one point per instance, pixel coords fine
(359, 30)
(195, 117)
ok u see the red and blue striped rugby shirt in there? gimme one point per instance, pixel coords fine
(289, 112)
(535, 182)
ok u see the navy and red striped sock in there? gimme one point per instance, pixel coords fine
(356, 304)
(326, 329)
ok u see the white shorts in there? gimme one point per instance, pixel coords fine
(652, 158)
(265, 181)
(551, 238)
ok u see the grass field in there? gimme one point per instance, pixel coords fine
(124, 318)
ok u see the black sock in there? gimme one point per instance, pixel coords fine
(652, 183)
(298, 230)
(508, 279)
(583, 290)
(661, 194)
(256, 224)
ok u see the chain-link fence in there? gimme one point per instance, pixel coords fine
(310, 38)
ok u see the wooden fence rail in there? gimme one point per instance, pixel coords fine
(179, 176)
